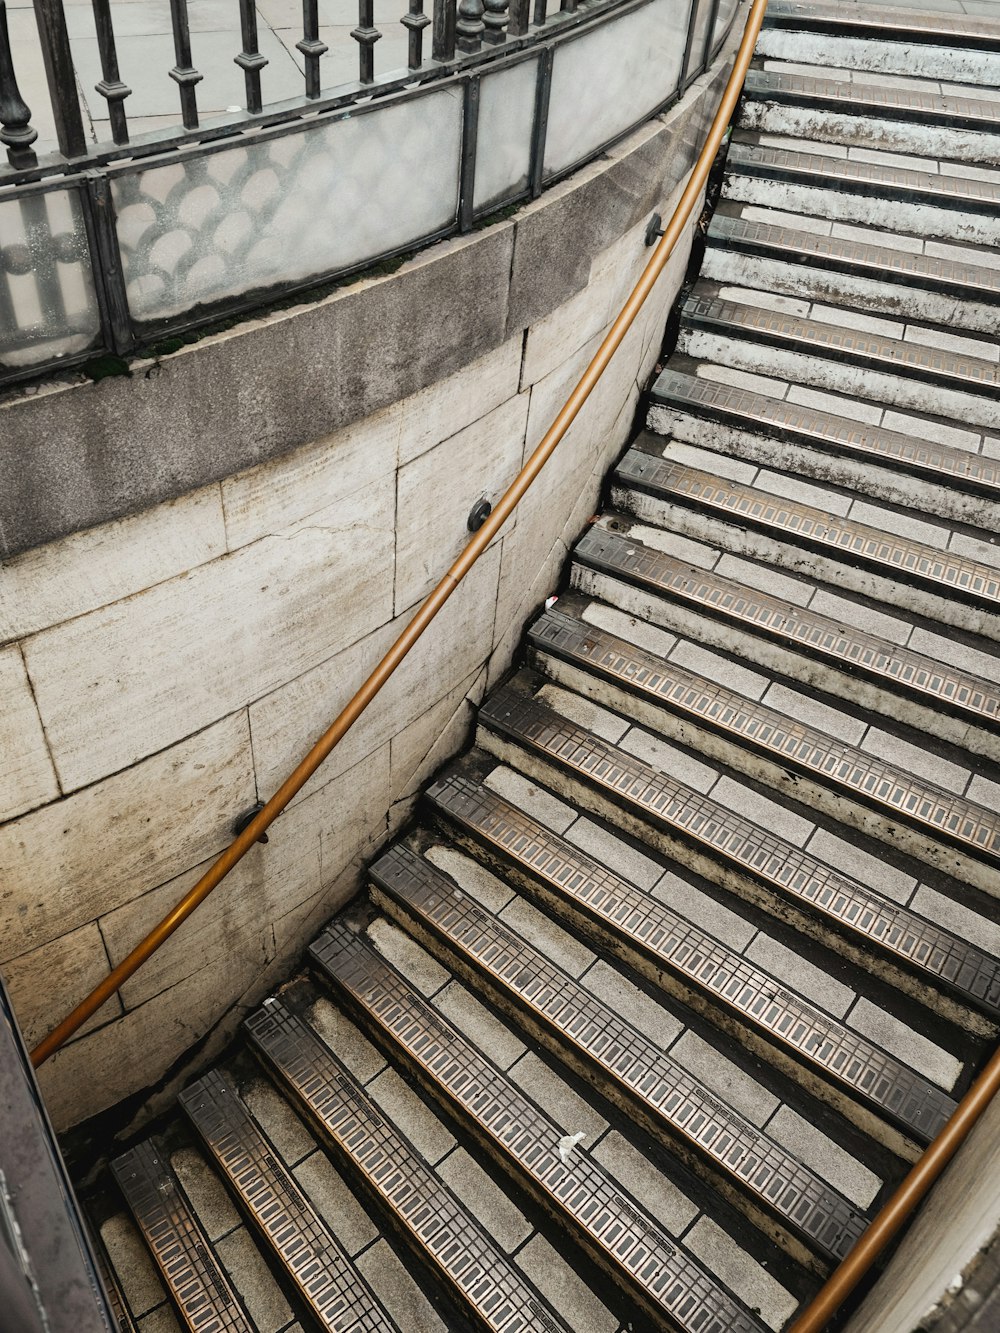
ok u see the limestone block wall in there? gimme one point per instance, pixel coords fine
(205, 559)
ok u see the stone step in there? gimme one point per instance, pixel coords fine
(834, 1062)
(711, 834)
(877, 191)
(443, 1238)
(198, 1286)
(772, 423)
(738, 729)
(753, 1171)
(833, 540)
(929, 682)
(122, 1314)
(626, 1243)
(830, 106)
(326, 1281)
(899, 23)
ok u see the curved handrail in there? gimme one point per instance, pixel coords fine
(437, 598)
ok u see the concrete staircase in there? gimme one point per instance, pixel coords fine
(695, 950)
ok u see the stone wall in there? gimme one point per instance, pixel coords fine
(215, 551)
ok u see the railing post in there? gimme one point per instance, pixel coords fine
(16, 130)
(250, 60)
(470, 139)
(443, 46)
(495, 21)
(110, 87)
(183, 73)
(106, 262)
(470, 25)
(519, 18)
(311, 46)
(51, 20)
(366, 35)
(415, 21)
(539, 129)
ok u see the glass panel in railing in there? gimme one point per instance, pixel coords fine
(288, 207)
(699, 37)
(503, 149)
(48, 308)
(727, 12)
(611, 79)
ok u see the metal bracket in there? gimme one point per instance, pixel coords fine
(478, 515)
(655, 229)
(246, 819)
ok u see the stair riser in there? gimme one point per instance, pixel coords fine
(843, 377)
(798, 669)
(543, 1036)
(864, 478)
(794, 785)
(861, 292)
(919, 219)
(913, 60)
(865, 131)
(705, 527)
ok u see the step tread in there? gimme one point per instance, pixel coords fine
(577, 1187)
(337, 1295)
(888, 663)
(897, 23)
(867, 98)
(177, 1242)
(943, 571)
(468, 1260)
(616, 1050)
(893, 790)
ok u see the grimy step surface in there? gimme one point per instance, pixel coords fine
(338, 1297)
(374, 1153)
(748, 409)
(897, 22)
(703, 963)
(892, 791)
(608, 1049)
(614, 1229)
(200, 1289)
(900, 669)
(736, 842)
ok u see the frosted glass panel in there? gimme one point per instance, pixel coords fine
(503, 152)
(727, 10)
(289, 208)
(699, 46)
(610, 79)
(47, 302)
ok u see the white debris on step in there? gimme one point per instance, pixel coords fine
(566, 1145)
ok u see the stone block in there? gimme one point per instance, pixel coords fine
(632, 1004)
(47, 983)
(704, 911)
(176, 657)
(484, 1198)
(910, 1046)
(619, 855)
(27, 778)
(66, 864)
(422, 747)
(564, 1289)
(843, 1171)
(549, 939)
(800, 975)
(484, 1031)
(265, 1303)
(726, 1079)
(741, 1272)
(133, 1263)
(335, 1203)
(206, 1193)
(535, 801)
(567, 1110)
(397, 1291)
(651, 1188)
(471, 877)
(407, 956)
(410, 1114)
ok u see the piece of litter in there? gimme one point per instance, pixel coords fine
(566, 1145)
(956, 1284)
(550, 602)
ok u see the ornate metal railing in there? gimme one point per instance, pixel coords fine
(105, 247)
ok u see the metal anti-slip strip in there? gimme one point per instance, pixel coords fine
(772, 1175)
(698, 959)
(748, 410)
(747, 847)
(843, 173)
(865, 98)
(437, 1225)
(943, 572)
(671, 1280)
(338, 1296)
(181, 1249)
(968, 373)
(808, 631)
(783, 738)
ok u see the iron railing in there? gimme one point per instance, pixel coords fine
(107, 247)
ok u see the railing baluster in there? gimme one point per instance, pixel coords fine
(495, 21)
(59, 74)
(567, 6)
(541, 13)
(311, 46)
(250, 59)
(519, 18)
(366, 35)
(110, 87)
(470, 25)
(16, 130)
(183, 73)
(443, 47)
(415, 21)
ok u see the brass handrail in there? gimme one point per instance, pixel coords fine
(435, 600)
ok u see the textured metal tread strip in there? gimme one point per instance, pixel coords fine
(897, 23)
(782, 738)
(116, 1297)
(438, 1226)
(776, 328)
(756, 411)
(943, 572)
(866, 98)
(792, 625)
(672, 1281)
(180, 1248)
(842, 173)
(700, 960)
(876, 261)
(337, 1295)
(748, 848)
(615, 1050)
